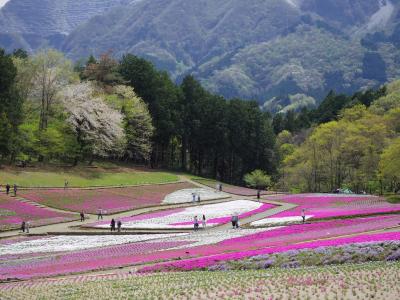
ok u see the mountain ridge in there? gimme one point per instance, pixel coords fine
(256, 49)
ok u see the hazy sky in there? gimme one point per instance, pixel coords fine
(2, 2)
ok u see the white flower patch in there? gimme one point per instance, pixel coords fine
(211, 211)
(73, 243)
(186, 195)
(279, 221)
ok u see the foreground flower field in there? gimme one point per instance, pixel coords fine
(366, 281)
(326, 206)
(111, 200)
(13, 212)
(187, 251)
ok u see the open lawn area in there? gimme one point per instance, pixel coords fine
(366, 281)
(83, 177)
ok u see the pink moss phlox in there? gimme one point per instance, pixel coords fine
(203, 262)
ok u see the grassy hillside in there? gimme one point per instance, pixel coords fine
(82, 177)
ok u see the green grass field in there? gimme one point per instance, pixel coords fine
(81, 177)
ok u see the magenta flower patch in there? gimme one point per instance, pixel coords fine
(322, 206)
(14, 212)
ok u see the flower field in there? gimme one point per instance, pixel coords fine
(321, 256)
(13, 212)
(216, 214)
(325, 206)
(213, 260)
(186, 195)
(111, 200)
(187, 251)
(367, 281)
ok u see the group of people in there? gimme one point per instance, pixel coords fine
(196, 222)
(119, 225)
(196, 197)
(25, 227)
(218, 187)
(8, 189)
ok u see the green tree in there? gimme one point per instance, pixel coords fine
(164, 102)
(389, 165)
(137, 122)
(52, 71)
(10, 107)
(258, 179)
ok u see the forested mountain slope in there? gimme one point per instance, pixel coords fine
(256, 49)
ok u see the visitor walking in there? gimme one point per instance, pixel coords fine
(220, 187)
(196, 223)
(112, 225)
(8, 187)
(15, 190)
(198, 198)
(65, 184)
(258, 195)
(303, 215)
(27, 224)
(235, 221)
(119, 225)
(99, 214)
(204, 222)
(82, 216)
(23, 225)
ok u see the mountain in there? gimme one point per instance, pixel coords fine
(32, 24)
(266, 50)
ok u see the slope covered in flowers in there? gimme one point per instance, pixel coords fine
(111, 200)
(13, 212)
(327, 206)
(192, 250)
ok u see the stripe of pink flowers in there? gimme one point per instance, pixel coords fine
(203, 262)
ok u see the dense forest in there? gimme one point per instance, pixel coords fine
(53, 110)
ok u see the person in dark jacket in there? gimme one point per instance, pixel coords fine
(82, 216)
(112, 225)
(15, 190)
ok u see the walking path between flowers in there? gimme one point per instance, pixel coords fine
(77, 227)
